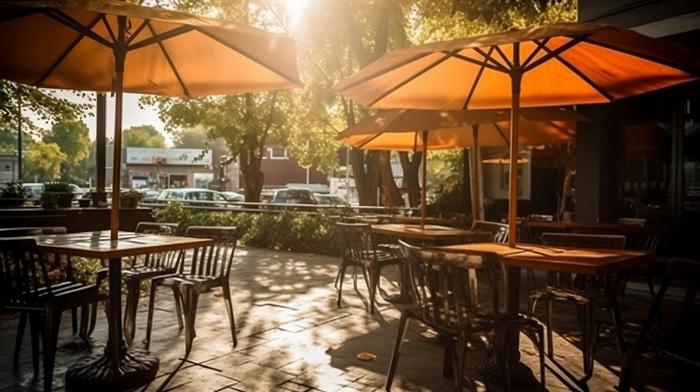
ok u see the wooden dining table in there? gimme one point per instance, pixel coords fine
(433, 234)
(117, 368)
(549, 258)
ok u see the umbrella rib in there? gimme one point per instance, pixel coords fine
(493, 60)
(162, 37)
(379, 73)
(683, 68)
(503, 56)
(66, 52)
(167, 57)
(138, 31)
(540, 45)
(410, 79)
(75, 25)
(500, 132)
(498, 68)
(574, 41)
(581, 75)
(109, 28)
(248, 55)
(476, 81)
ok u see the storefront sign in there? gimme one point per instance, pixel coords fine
(168, 156)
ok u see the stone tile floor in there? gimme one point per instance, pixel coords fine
(292, 337)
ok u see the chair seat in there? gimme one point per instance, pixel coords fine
(565, 294)
(67, 295)
(145, 272)
(200, 282)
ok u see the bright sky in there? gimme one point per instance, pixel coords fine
(133, 115)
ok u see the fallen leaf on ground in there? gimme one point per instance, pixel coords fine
(366, 356)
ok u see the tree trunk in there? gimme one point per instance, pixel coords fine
(250, 162)
(411, 175)
(366, 182)
(392, 194)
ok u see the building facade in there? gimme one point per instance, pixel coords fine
(640, 156)
(281, 169)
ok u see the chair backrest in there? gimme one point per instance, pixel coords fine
(213, 260)
(19, 231)
(23, 271)
(444, 290)
(540, 218)
(156, 228)
(499, 230)
(356, 242)
(632, 221)
(593, 241)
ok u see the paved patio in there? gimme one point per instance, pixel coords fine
(292, 337)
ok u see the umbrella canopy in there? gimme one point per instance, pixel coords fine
(116, 46)
(559, 64)
(414, 130)
(72, 44)
(401, 129)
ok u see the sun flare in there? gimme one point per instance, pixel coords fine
(295, 10)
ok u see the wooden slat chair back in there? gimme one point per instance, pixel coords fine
(358, 250)
(214, 260)
(444, 290)
(28, 287)
(499, 230)
(463, 296)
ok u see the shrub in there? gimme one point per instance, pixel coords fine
(284, 230)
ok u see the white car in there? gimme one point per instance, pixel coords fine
(233, 196)
(193, 196)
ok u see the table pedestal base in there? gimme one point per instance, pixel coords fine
(135, 369)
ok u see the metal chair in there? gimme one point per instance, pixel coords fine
(207, 268)
(680, 344)
(28, 288)
(358, 250)
(499, 230)
(443, 294)
(143, 268)
(590, 295)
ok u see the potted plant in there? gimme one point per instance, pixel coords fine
(130, 199)
(56, 195)
(12, 194)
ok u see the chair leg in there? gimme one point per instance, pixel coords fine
(21, 325)
(341, 275)
(84, 321)
(619, 332)
(458, 373)
(151, 305)
(548, 324)
(229, 310)
(179, 304)
(588, 338)
(403, 325)
(132, 303)
(190, 296)
(35, 331)
(374, 276)
(51, 326)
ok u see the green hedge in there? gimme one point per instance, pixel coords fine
(284, 230)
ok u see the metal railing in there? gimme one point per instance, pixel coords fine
(266, 207)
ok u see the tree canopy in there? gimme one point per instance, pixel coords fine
(72, 138)
(143, 136)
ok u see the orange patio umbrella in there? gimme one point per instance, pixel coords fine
(115, 46)
(559, 64)
(420, 130)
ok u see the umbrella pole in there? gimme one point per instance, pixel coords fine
(475, 173)
(119, 57)
(423, 206)
(516, 78)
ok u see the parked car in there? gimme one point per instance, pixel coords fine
(149, 195)
(36, 189)
(331, 200)
(233, 196)
(294, 196)
(267, 196)
(193, 196)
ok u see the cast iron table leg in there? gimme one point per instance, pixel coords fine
(117, 368)
(520, 374)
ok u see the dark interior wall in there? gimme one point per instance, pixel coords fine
(628, 13)
(599, 163)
